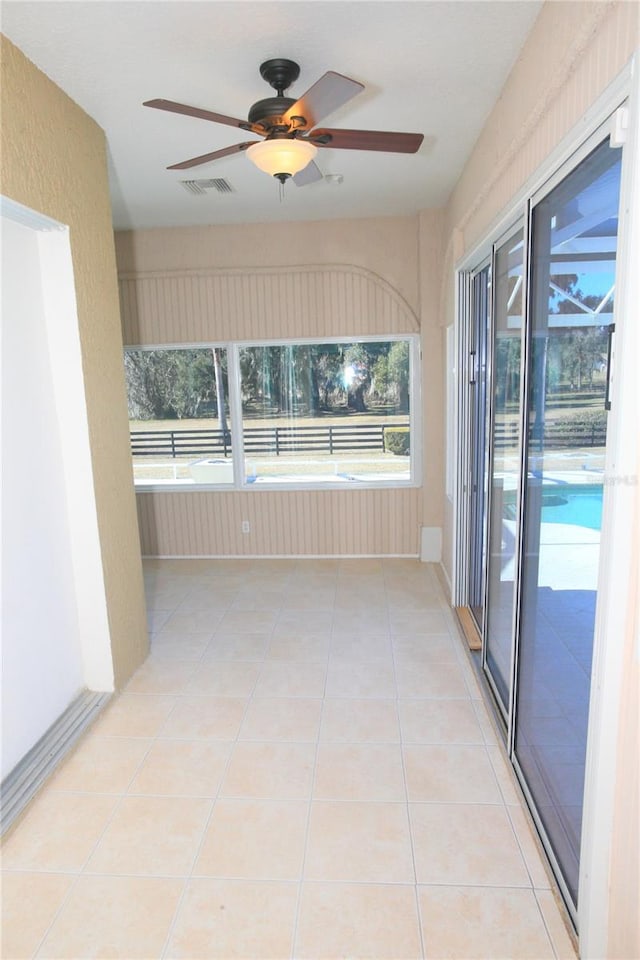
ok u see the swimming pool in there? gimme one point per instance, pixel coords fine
(580, 505)
(577, 504)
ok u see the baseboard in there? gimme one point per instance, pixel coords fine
(443, 576)
(20, 786)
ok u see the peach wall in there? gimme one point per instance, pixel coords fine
(431, 241)
(329, 278)
(385, 246)
(574, 50)
(54, 161)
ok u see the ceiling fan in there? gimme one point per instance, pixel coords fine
(291, 137)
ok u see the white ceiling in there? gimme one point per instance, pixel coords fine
(428, 67)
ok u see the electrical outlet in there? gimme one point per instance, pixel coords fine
(246, 526)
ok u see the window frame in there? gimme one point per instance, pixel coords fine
(234, 399)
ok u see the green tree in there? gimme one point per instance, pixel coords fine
(328, 362)
(170, 384)
(391, 375)
(581, 352)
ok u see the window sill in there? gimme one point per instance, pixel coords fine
(339, 483)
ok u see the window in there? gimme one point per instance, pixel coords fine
(255, 415)
(179, 415)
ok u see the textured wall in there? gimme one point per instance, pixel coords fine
(386, 246)
(573, 52)
(54, 161)
(431, 239)
(336, 278)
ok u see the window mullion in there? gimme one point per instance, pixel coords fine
(235, 413)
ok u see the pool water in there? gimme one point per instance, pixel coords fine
(578, 505)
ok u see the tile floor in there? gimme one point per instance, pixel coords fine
(302, 768)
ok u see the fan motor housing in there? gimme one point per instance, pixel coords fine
(280, 74)
(272, 108)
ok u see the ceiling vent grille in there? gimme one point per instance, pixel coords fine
(221, 185)
(200, 187)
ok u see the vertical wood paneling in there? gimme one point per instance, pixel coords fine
(257, 305)
(198, 306)
(304, 523)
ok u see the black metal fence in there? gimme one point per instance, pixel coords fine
(334, 438)
(180, 443)
(274, 441)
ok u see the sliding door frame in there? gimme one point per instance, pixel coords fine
(463, 480)
(597, 138)
(520, 224)
(591, 915)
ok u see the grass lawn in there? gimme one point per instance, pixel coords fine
(211, 423)
(290, 464)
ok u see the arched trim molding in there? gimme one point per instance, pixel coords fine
(194, 306)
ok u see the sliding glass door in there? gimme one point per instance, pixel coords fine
(539, 326)
(573, 254)
(504, 464)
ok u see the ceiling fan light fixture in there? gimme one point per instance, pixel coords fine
(281, 158)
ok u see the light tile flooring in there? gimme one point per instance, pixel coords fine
(302, 768)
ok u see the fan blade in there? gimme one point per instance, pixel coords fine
(367, 140)
(206, 157)
(188, 111)
(326, 95)
(310, 174)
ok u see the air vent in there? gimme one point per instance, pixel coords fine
(221, 185)
(199, 187)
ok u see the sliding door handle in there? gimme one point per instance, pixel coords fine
(607, 391)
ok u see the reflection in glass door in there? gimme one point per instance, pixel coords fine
(504, 461)
(573, 253)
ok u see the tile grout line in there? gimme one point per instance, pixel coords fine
(189, 878)
(155, 739)
(294, 937)
(522, 853)
(407, 812)
(554, 946)
(454, 884)
(81, 872)
(250, 699)
(544, 924)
